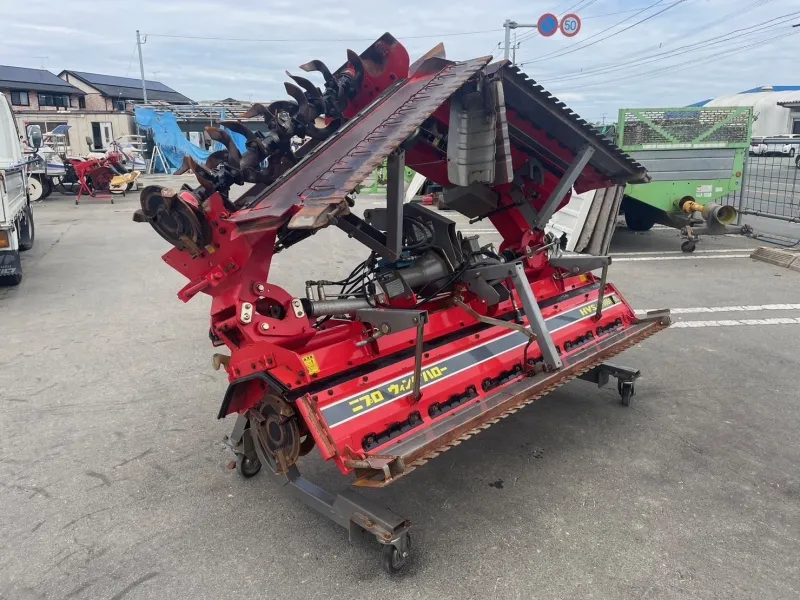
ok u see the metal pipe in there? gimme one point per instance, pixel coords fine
(320, 308)
(723, 214)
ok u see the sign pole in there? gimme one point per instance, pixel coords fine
(507, 42)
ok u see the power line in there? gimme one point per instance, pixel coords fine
(735, 13)
(759, 28)
(683, 65)
(130, 62)
(370, 39)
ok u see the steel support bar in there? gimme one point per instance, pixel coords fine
(395, 169)
(535, 319)
(365, 233)
(564, 185)
(349, 509)
(601, 293)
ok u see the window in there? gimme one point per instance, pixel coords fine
(20, 99)
(796, 126)
(81, 102)
(119, 105)
(54, 100)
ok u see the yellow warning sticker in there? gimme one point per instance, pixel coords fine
(312, 366)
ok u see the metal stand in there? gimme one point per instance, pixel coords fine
(626, 376)
(348, 508)
(157, 154)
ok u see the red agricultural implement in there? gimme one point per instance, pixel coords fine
(103, 177)
(433, 337)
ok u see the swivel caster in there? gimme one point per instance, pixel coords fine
(688, 246)
(394, 558)
(247, 467)
(626, 391)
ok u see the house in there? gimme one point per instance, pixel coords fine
(38, 90)
(106, 92)
(97, 108)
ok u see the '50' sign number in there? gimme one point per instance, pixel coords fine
(570, 25)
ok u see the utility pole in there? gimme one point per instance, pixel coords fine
(508, 25)
(141, 65)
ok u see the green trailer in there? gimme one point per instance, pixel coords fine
(695, 156)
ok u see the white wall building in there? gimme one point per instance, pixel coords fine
(776, 109)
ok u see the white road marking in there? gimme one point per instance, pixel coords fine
(736, 323)
(665, 252)
(719, 309)
(689, 257)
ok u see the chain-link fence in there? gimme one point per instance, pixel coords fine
(770, 187)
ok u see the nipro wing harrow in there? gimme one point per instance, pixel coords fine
(433, 337)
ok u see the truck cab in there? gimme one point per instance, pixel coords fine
(16, 215)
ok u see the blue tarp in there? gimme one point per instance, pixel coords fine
(172, 141)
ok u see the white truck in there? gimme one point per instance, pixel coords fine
(16, 215)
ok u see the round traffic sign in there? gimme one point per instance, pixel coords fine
(547, 24)
(570, 25)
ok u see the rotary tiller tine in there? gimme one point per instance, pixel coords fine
(251, 159)
(312, 90)
(185, 166)
(282, 105)
(239, 128)
(201, 172)
(315, 133)
(318, 65)
(358, 67)
(224, 138)
(215, 159)
(257, 110)
(305, 113)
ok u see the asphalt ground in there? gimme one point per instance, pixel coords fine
(115, 483)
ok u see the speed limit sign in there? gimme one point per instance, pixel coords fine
(570, 25)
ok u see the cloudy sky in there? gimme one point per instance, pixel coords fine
(693, 50)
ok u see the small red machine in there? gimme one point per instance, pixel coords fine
(107, 176)
(433, 336)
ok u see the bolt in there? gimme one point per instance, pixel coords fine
(265, 327)
(260, 288)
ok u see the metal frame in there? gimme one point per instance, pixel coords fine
(348, 508)
(602, 373)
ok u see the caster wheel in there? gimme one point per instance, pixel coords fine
(688, 246)
(626, 391)
(247, 467)
(392, 560)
